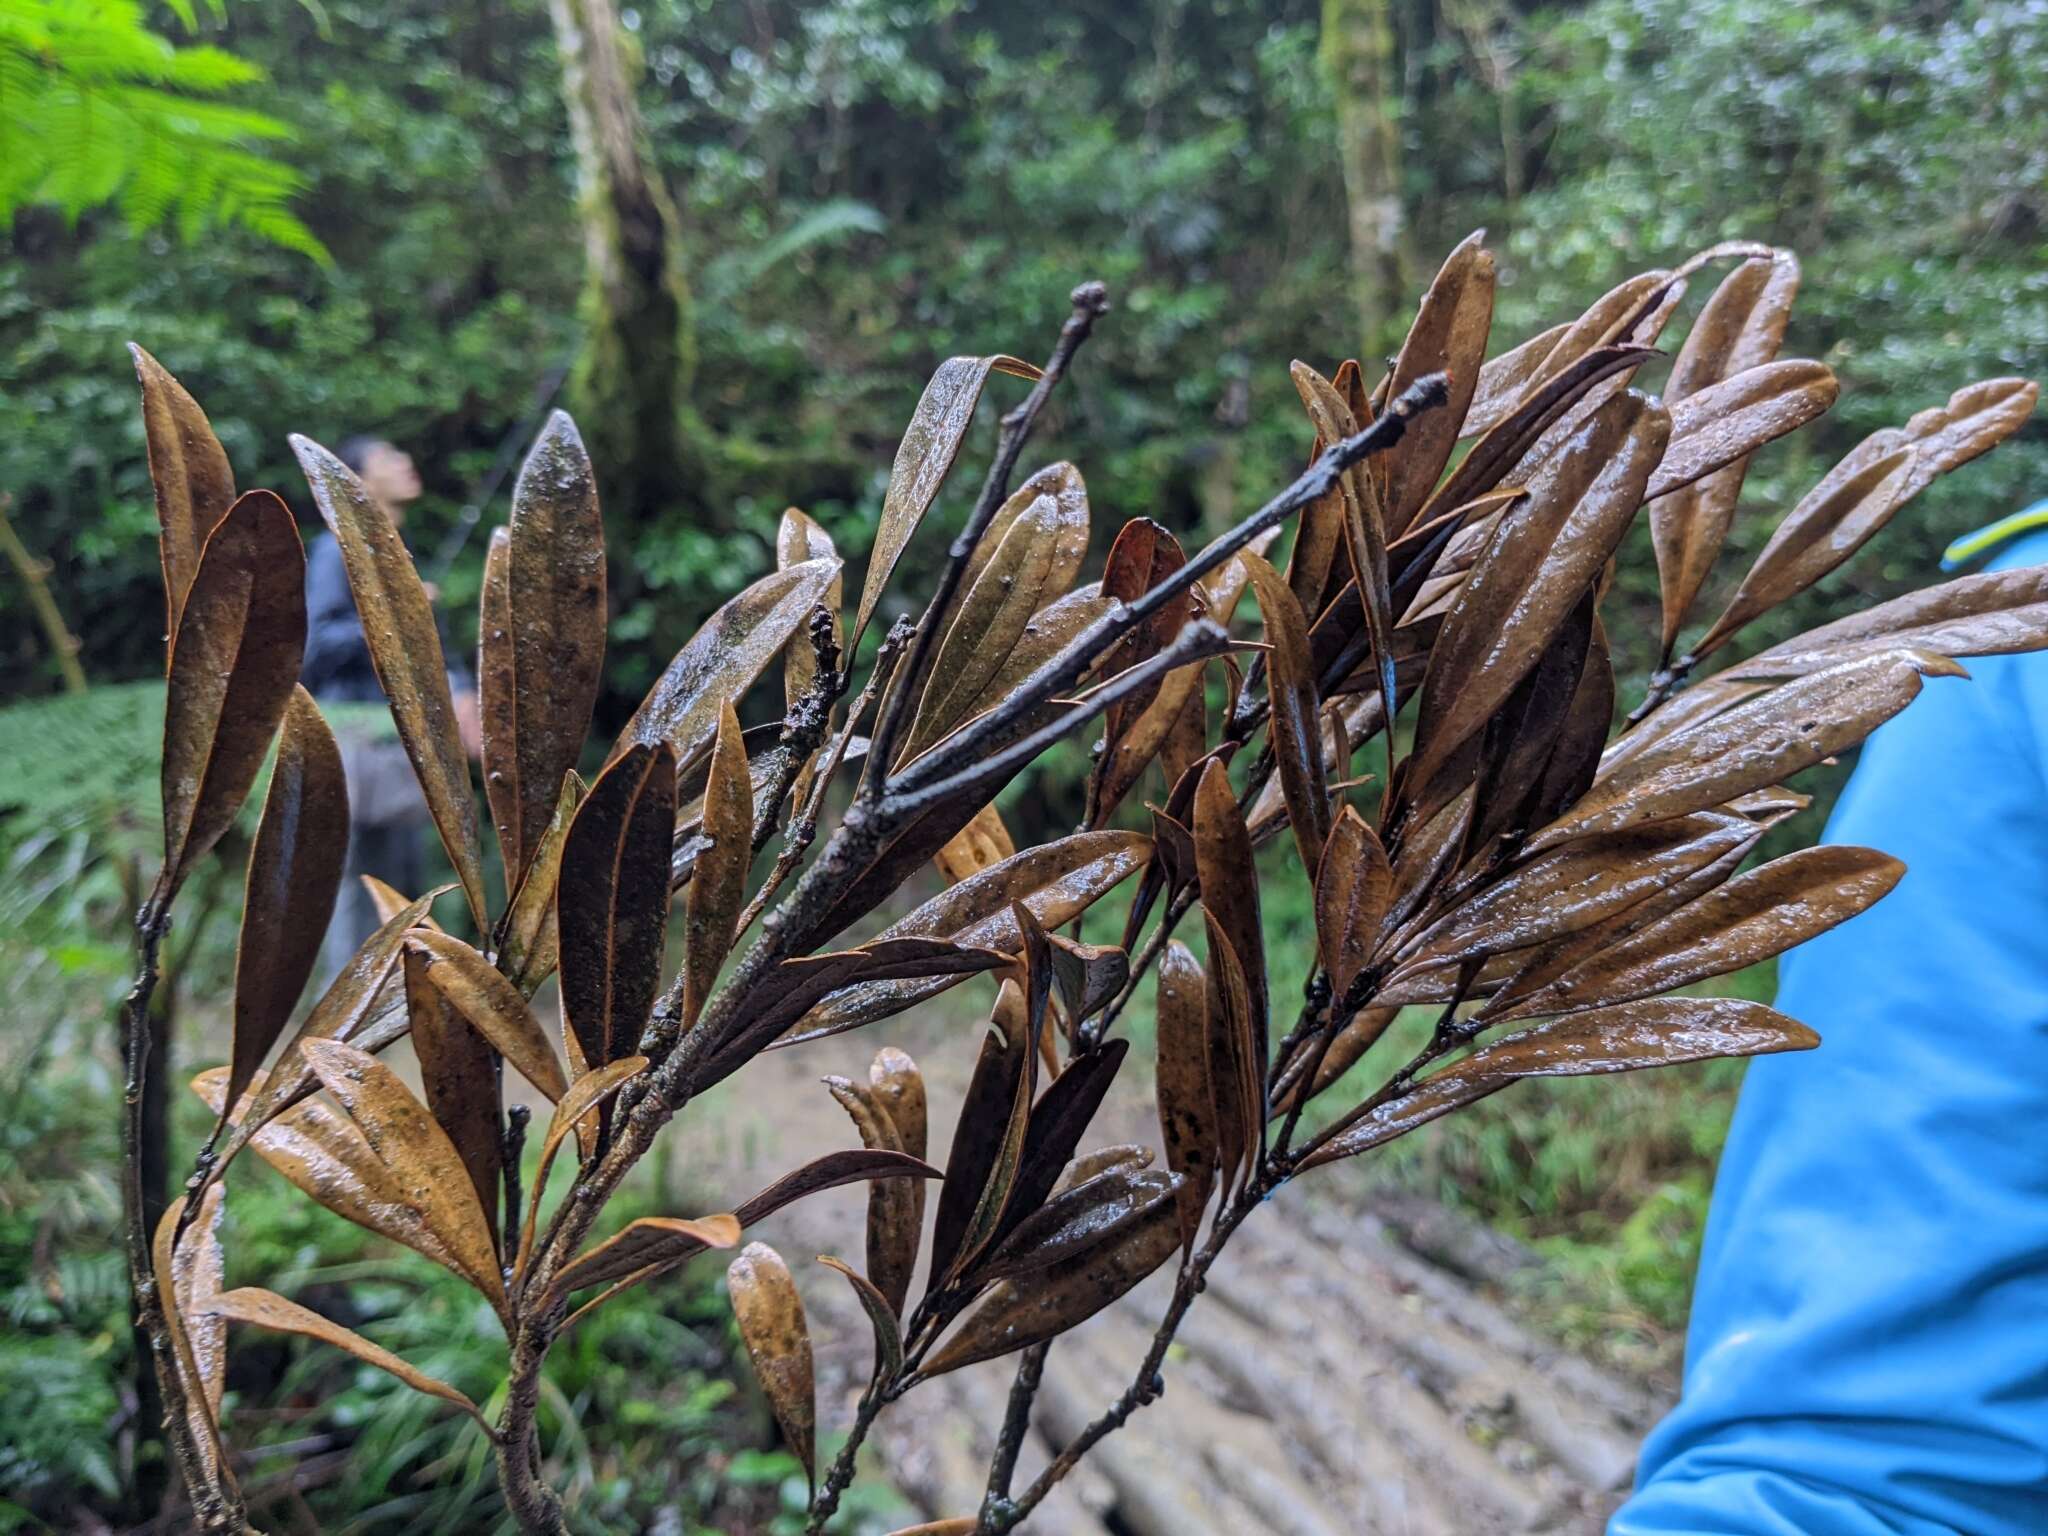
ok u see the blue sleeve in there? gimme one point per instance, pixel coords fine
(1869, 1342)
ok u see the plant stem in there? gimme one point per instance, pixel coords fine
(214, 1506)
(1016, 1423)
(1001, 1515)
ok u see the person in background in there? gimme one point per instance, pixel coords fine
(1867, 1350)
(388, 818)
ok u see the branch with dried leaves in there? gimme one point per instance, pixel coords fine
(1426, 715)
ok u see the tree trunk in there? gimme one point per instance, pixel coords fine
(1358, 54)
(630, 384)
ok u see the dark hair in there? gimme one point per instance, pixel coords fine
(355, 451)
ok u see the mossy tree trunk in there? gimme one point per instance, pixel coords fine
(1359, 55)
(629, 388)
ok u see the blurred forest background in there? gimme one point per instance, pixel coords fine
(735, 236)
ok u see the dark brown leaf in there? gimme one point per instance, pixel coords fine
(1187, 1107)
(1296, 729)
(1758, 742)
(930, 444)
(1230, 894)
(1832, 521)
(718, 889)
(1040, 553)
(295, 868)
(1757, 915)
(1365, 520)
(1012, 1316)
(1655, 1033)
(1728, 421)
(1144, 555)
(528, 940)
(1741, 326)
(1448, 336)
(1546, 553)
(1098, 1211)
(1059, 1120)
(667, 1241)
(611, 902)
(722, 659)
(555, 571)
(1354, 888)
(234, 661)
(1574, 886)
(1993, 613)
(405, 650)
(1237, 1081)
(771, 1319)
(189, 470)
(1509, 443)
(1056, 881)
(496, 1008)
(988, 1142)
(1503, 380)
(459, 1071)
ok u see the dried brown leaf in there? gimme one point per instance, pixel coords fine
(190, 473)
(772, 1326)
(295, 867)
(611, 902)
(234, 662)
(923, 458)
(405, 650)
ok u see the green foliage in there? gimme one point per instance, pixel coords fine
(99, 110)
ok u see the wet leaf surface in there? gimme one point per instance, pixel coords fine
(464, 1086)
(718, 889)
(189, 471)
(496, 1008)
(424, 1164)
(1448, 336)
(234, 663)
(722, 660)
(555, 577)
(1354, 887)
(923, 459)
(1741, 326)
(1657, 1033)
(1037, 559)
(295, 867)
(1757, 742)
(1056, 881)
(405, 650)
(772, 1326)
(1012, 1316)
(611, 902)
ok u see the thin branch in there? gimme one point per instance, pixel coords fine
(999, 725)
(1016, 1423)
(214, 1504)
(1091, 302)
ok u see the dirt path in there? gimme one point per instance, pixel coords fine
(1333, 1382)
